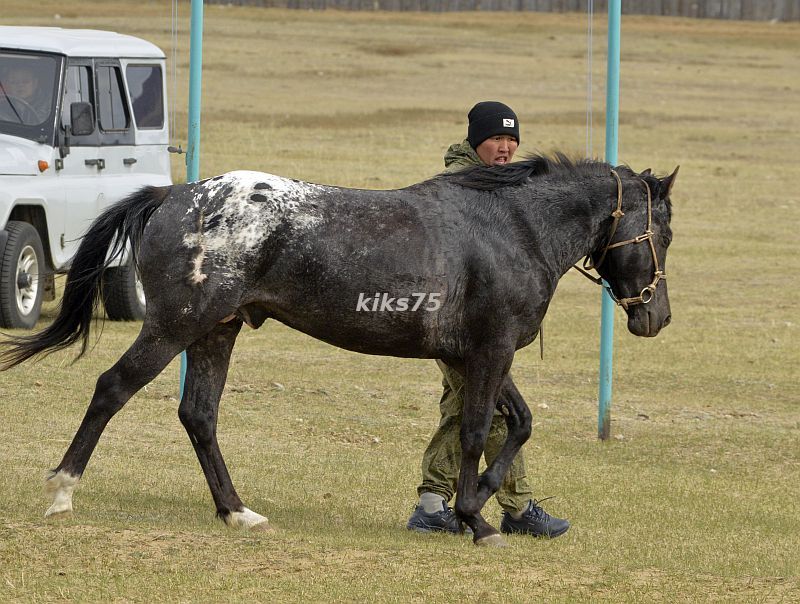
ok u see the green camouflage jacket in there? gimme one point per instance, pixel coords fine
(460, 156)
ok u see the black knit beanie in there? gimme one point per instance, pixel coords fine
(490, 118)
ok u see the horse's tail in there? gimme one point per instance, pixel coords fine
(102, 243)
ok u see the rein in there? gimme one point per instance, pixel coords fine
(648, 291)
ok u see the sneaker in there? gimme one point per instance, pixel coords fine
(443, 521)
(534, 521)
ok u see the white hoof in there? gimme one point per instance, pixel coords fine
(60, 487)
(248, 519)
(492, 541)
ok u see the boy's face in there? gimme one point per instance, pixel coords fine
(497, 150)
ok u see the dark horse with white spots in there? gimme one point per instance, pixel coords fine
(460, 268)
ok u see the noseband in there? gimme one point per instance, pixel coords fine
(648, 291)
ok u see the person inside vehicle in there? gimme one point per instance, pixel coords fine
(19, 96)
(492, 139)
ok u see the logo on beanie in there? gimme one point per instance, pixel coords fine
(508, 123)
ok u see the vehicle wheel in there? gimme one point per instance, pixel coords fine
(20, 267)
(123, 295)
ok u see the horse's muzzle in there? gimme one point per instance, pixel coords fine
(648, 320)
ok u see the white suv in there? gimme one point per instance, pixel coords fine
(83, 123)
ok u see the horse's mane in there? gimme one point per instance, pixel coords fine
(491, 178)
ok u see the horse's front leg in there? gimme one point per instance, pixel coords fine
(518, 420)
(484, 375)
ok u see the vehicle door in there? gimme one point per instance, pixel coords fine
(79, 169)
(117, 136)
(95, 170)
(145, 80)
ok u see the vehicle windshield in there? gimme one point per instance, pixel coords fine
(28, 84)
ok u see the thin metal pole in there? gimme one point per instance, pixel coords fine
(607, 305)
(195, 88)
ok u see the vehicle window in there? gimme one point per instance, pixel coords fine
(145, 87)
(27, 94)
(77, 88)
(112, 110)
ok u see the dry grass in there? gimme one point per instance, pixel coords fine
(697, 500)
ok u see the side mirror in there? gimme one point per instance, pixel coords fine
(81, 119)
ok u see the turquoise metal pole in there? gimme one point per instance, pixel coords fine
(607, 305)
(193, 140)
(195, 79)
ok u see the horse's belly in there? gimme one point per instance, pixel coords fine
(387, 336)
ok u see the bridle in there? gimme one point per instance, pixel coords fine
(647, 293)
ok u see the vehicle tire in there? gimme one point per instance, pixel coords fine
(123, 296)
(21, 265)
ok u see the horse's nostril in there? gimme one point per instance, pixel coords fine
(668, 320)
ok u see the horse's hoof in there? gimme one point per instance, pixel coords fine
(494, 540)
(57, 514)
(60, 487)
(247, 519)
(262, 527)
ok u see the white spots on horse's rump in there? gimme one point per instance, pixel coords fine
(197, 275)
(254, 205)
(60, 487)
(197, 240)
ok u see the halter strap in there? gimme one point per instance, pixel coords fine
(648, 291)
(617, 214)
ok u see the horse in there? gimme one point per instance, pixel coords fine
(460, 267)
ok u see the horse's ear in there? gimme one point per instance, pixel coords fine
(647, 172)
(666, 184)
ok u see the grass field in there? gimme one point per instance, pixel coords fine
(696, 497)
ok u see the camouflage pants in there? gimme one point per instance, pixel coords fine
(442, 459)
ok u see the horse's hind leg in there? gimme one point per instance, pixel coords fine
(207, 370)
(142, 362)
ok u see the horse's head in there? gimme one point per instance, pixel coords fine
(632, 261)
